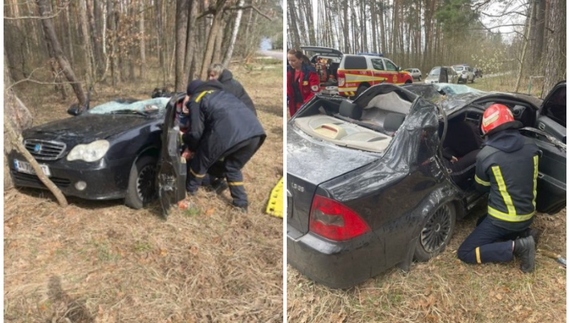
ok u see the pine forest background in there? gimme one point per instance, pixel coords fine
(428, 33)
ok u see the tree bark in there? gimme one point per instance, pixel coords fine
(214, 29)
(142, 64)
(555, 60)
(293, 28)
(160, 48)
(51, 37)
(87, 48)
(181, 33)
(191, 41)
(94, 14)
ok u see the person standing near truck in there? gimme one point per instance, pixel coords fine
(302, 80)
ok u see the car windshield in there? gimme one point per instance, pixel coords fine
(458, 68)
(143, 107)
(434, 71)
(454, 89)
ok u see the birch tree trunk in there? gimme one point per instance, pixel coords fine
(142, 64)
(235, 31)
(526, 40)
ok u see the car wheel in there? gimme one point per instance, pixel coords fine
(435, 233)
(419, 79)
(142, 182)
(361, 89)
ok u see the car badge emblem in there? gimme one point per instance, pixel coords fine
(37, 148)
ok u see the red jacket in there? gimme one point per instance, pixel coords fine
(307, 85)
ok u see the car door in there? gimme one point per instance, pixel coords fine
(552, 113)
(171, 166)
(551, 119)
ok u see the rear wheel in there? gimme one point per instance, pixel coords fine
(436, 233)
(142, 182)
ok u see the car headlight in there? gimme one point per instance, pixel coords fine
(90, 152)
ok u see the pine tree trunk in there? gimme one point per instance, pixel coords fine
(191, 42)
(181, 32)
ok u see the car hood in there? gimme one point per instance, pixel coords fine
(315, 161)
(85, 128)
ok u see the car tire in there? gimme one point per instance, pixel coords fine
(361, 88)
(142, 182)
(436, 232)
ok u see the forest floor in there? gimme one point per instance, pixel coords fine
(445, 289)
(100, 261)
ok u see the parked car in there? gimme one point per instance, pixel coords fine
(465, 73)
(442, 74)
(110, 151)
(415, 73)
(368, 187)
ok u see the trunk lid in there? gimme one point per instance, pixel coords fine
(311, 162)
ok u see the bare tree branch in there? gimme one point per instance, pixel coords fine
(250, 7)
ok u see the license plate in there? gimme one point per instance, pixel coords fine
(25, 167)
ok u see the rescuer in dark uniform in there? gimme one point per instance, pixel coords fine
(223, 132)
(507, 168)
(217, 71)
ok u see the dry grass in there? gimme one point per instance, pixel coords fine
(100, 261)
(445, 289)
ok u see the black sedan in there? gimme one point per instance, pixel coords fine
(369, 187)
(111, 151)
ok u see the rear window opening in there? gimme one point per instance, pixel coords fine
(346, 124)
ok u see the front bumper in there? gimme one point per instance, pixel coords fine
(104, 179)
(335, 264)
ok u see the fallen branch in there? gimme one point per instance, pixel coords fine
(16, 141)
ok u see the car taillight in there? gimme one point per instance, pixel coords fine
(334, 220)
(340, 78)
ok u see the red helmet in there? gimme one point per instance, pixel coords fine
(498, 117)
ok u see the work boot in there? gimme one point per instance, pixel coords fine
(240, 207)
(532, 232)
(219, 185)
(525, 250)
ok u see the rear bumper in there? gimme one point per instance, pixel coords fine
(335, 264)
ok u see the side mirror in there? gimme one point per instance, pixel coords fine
(74, 109)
